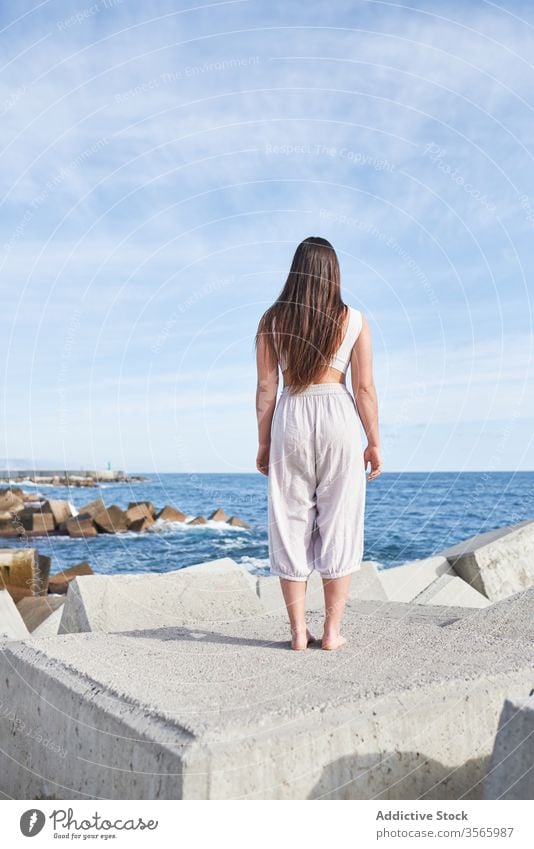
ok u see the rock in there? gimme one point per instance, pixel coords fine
(139, 526)
(223, 709)
(198, 520)
(25, 569)
(59, 583)
(36, 609)
(111, 520)
(60, 510)
(12, 625)
(365, 584)
(405, 582)
(81, 525)
(451, 590)
(511, 772)
(147, 506)
(219, 515)
(237, 522)
(170, 514)
(498, 563)
(198, 595)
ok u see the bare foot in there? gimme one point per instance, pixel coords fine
(333, 643)
(299, 642)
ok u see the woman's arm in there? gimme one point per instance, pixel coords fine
(361, 366)
(266, 392)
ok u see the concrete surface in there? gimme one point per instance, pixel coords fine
(498, 563)
(403, 583)
(365, 584)
(425, 614)
(451, 590)
(511, 617)
(511, 769)
(201, 594)
(229, 712)
(12, 625)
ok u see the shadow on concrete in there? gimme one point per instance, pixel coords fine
(399, 775)
(198, 635)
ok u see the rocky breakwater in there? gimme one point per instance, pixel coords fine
(23, 514)
(140, 516)
(70, 479)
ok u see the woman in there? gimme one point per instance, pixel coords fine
(309, 443)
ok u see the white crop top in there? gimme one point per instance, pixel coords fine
(341, 358)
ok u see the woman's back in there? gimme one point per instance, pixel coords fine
(339, 362)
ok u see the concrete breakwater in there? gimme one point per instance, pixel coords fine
(23, 514)
(181, 685)
(66, 478)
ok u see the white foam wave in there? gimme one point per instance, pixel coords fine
(210, 524)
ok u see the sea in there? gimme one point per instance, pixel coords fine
(408, 516)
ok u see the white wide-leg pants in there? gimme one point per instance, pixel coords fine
(316, 484)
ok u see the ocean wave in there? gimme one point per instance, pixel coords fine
(254, 562)
(210, 525)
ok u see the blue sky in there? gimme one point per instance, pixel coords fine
(160, 163)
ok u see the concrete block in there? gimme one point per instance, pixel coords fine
(25, 569)
(59, 582)
(60, 510)
(423, 614)
(513, 617)
(50, 626)
(451, 590)
(139, 512)
(365, 584)
(405, 582)
(511, 769)
(36, 609)
(139, 526)
(93, 507)
(198, 520)
(10, 502)
(43, 522)
(80, 526)
(228, 712)
(12, 626)
(204, 593)
(170, 514)
(236, 522)
(219, 515)
(147, 506)
(498, 563)
(110, 520)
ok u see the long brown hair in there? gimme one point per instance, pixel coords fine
(309, 314)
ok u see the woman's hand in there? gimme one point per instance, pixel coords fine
(262, 459)
(371, 456)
